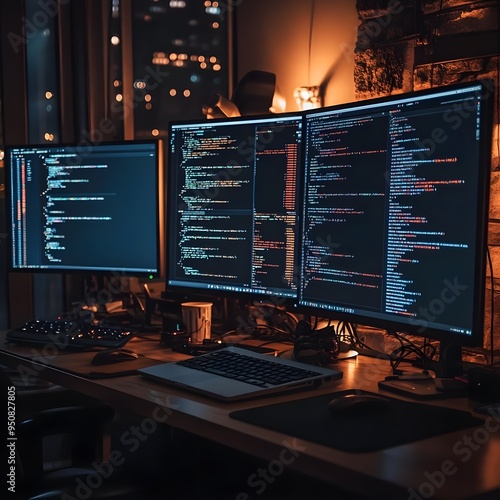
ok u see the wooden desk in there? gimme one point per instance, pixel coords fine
(463, 464)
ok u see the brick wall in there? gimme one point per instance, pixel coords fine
(405, 45)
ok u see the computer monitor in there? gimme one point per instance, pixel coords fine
(94, 208)
(395, 212)
(234, 207)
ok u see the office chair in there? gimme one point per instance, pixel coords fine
(65, 450)
(256, 93)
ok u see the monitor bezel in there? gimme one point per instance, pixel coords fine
(83, 147)
(389, 321)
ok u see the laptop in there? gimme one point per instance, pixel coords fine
(219, 374)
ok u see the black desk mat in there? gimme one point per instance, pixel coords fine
(400, 423)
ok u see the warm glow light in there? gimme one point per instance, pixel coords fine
(173, 56)
(160, 58)
(307, 97)
(117, 83)
(203, 65)
(140, 84)
(279, 102)
(201, 58)
(496, 144)
(147, 97)
(215, 25)
(119, 97)
(216, 67)
(187, 93)
(115, 40)
(48, 137)
(213, 59)
(48, 95)
(148, 106)
(173, 92)
(155, 132)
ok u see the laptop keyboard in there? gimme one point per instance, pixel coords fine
(255, 371)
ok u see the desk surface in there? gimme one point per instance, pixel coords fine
(462, 464)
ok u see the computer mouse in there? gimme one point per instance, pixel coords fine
(110, 356)
(357, 404)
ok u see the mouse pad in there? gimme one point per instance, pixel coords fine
(398, 423)
(80, 363)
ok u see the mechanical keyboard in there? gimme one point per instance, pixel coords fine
(69, 334)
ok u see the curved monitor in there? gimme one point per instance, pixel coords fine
(395, 211)
(233, 206)
(87, 207)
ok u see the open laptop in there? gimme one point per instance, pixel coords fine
(219, 374)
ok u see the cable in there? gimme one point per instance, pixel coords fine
(348, 332)
(276, 309)
(311, 23)
(408, 348)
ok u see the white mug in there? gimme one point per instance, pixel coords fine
(197, 316)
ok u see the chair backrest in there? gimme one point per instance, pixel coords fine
(255, 92)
